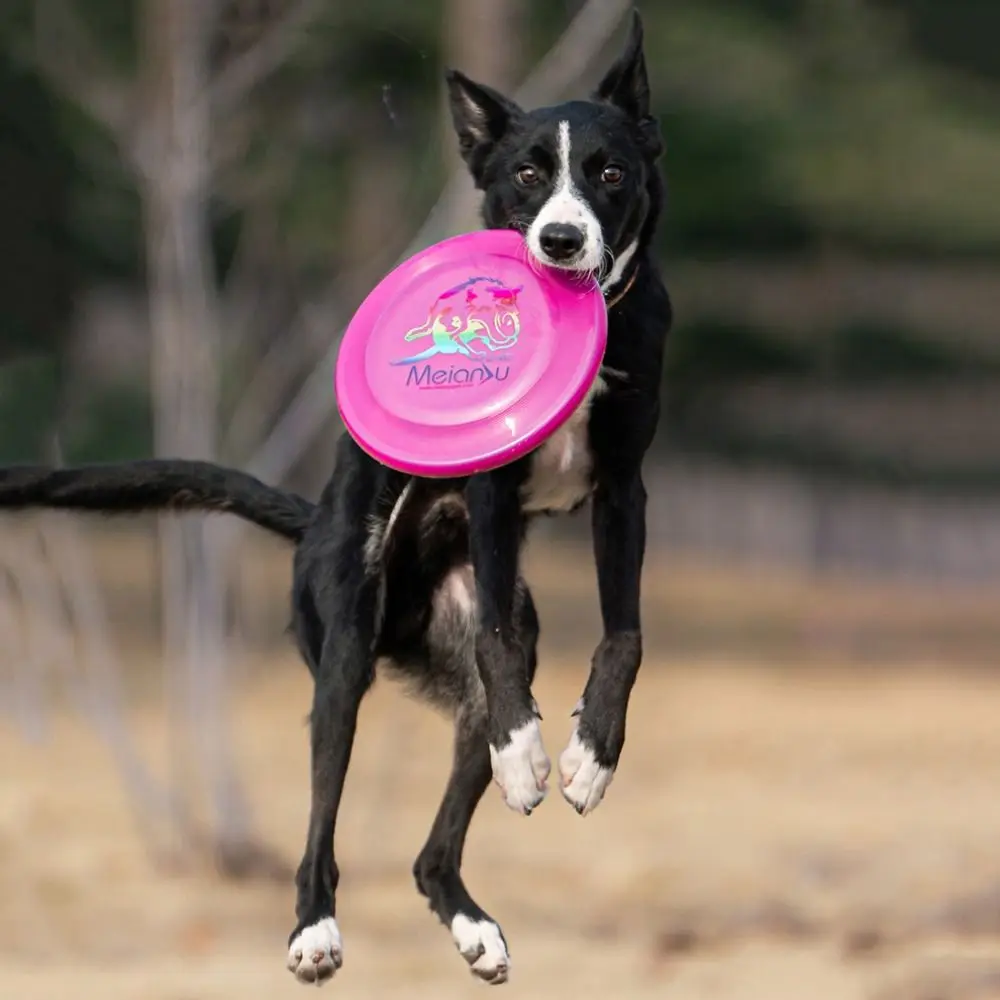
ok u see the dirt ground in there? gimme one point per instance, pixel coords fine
(828, 832)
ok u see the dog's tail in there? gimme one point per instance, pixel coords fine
(156, 484)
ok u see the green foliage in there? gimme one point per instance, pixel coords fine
(105, 214)
(40, 270)
(116, 24)
(958, 34)
(852, 138)
(15, 21)
(872, 352)
(29, 399)
(817, 457)
(724, 200)
(713, 352)
(707, 360)
(113, 423)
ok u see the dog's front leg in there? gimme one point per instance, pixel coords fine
(588, 763)
(496, 528)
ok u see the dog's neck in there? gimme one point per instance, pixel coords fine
(622, 276)
(618, 296)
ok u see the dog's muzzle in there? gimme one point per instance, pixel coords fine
(561, 242)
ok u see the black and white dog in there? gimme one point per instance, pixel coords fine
(421, 576)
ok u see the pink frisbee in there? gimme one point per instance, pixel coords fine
(467, 356)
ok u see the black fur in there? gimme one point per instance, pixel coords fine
(423, 575)
(157, 484)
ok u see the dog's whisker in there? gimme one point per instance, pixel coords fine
(520, 224)
(607, 264)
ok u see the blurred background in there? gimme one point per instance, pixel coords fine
(196, 194)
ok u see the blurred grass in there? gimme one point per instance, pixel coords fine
(785, 823)
(695, 608)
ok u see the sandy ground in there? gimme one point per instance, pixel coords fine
(831, 832)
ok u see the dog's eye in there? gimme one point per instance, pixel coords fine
(527, 175)
(612, 174)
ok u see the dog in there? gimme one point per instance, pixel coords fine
(421, 577)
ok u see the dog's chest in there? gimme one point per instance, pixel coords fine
(562, 466)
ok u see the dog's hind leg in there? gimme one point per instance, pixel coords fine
(335, 638)
(438, 867)
(315, 950)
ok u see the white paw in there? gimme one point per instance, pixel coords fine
(482, 945)
(521, 768)
(584, 781)
(316, 953)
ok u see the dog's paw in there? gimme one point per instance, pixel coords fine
(582, 779)
(316, 952)
(481, 944)
(521, 768)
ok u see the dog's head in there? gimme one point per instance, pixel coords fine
(578, 179)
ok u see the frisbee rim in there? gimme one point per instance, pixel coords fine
(353, 399)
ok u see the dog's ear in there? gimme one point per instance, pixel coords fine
(626, 85)
(481, 116)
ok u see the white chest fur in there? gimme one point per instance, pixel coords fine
(561, 466)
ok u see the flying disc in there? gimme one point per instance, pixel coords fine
(467, 356)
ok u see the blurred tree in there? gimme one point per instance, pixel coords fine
(482, 39)
(173, 155)
(178, 123)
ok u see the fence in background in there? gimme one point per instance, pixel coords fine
(725, 514)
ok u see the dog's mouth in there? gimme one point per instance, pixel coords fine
(577, 263)
(586, 262)
(582, 267)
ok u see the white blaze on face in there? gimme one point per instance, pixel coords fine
(567, 206)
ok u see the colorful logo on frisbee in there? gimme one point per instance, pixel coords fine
(475, 319)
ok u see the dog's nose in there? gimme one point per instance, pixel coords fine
(560, 241)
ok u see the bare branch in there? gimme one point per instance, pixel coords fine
(570, 58)
(72, 62)
(268, 54)
(99, 693)
(22, 692)
(49, 647)
(276, 373)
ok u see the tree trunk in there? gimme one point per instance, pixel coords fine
(480, 39)
(174, 169)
